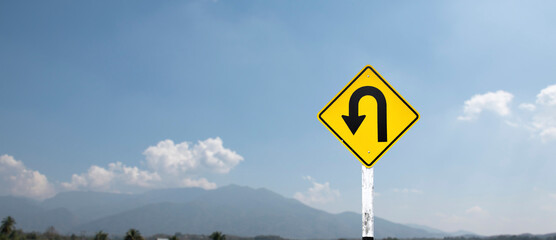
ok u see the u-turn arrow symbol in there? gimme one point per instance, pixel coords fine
(354, 120)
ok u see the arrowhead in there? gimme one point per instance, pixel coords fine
(353, 122)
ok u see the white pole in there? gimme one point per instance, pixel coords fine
(367, 202)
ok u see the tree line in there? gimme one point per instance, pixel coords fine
(9, 232)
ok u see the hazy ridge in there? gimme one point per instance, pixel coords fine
(235, 210)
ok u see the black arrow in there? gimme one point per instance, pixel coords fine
(353, 121)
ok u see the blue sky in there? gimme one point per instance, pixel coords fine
(129, 96)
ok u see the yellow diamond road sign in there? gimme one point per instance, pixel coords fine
(368, 116)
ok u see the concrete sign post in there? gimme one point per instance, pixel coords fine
(367, 202)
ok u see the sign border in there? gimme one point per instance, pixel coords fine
(342, 92)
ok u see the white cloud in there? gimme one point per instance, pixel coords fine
(547, 96)
(552, 195)
(496, 102)
(319, 193)
(539, 119)
(202, 183)
(543, 121)
(168, 165)
(209, 155)
(527, 107)
(133, 175)
(407, 190)
(476, 210)
(548, 134)
(113, 178)
(18, 180)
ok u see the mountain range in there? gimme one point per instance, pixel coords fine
(234, 210)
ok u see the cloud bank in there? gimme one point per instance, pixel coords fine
(168, 165)
(538, 118)
(205, 156)
(319, 193)
(547, 96)
(18, 180)
(496, 102)
(476, 210)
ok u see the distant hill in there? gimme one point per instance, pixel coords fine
(30, 216)
(232, 209)
(244, 211)
(441, 233)
(88, 206)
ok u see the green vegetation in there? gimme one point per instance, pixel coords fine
(52, 234)
(133, 234)
(8, 231)
(101, 236)
(217, 236)
(7, 225)
(507, 237)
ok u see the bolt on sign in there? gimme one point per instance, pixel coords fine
(368, 116)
